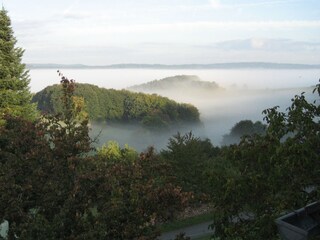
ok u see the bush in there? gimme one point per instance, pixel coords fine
(263, 177)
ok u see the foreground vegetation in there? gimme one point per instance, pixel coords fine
(51, 188)
(265, 176)
(186, 222)
(55, 185)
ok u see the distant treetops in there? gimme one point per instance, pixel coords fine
(121, 106)
(189, 84)
(242, 129)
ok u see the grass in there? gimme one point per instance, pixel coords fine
(177, 224)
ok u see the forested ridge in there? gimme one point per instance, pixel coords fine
(177, 83)
(121, 106)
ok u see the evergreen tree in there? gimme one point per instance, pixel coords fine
(14, 78)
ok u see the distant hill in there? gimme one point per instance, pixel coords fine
(121, 106)
(235, 65)
(180, 85)
(179, 81)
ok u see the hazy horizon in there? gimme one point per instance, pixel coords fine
(166, 32)
(246, 94)
(226, 78)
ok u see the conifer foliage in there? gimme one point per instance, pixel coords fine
(14, 79)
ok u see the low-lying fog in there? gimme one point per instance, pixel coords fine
(123, 78)
(219, 113)
(245, 95)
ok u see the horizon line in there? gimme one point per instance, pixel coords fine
(250, 64)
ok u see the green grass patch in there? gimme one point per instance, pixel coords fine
(182, 223)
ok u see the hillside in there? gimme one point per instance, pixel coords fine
(121, 106)
(181, 83)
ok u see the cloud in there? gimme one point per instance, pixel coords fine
(215, 4)
(257, 43)
(75, 15)
(217, 24)
(28, 25)
(180, 27)
(261, 44)
(270, 2)
(243, 44)
(259, 24)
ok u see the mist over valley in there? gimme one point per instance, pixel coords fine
(223, 97)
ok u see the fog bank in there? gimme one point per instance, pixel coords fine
(246, 93)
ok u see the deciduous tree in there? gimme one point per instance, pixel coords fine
(51, 188)
(264, 177)
(242, 129)
(188, 156)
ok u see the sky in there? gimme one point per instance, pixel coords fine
(102, 32)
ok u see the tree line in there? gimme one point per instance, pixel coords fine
(109, 105)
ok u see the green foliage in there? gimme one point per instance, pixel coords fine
(70, 125)
(188, 156)
(131, 196)
(241, 129)
(264, 177)
(186, 222)
(111, 105)
(113, 152)
(38, 171)
(14, 79)
(53, 187)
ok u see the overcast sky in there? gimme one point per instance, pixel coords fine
(99, 32)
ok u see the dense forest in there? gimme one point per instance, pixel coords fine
(121, 106)
(55, 185)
